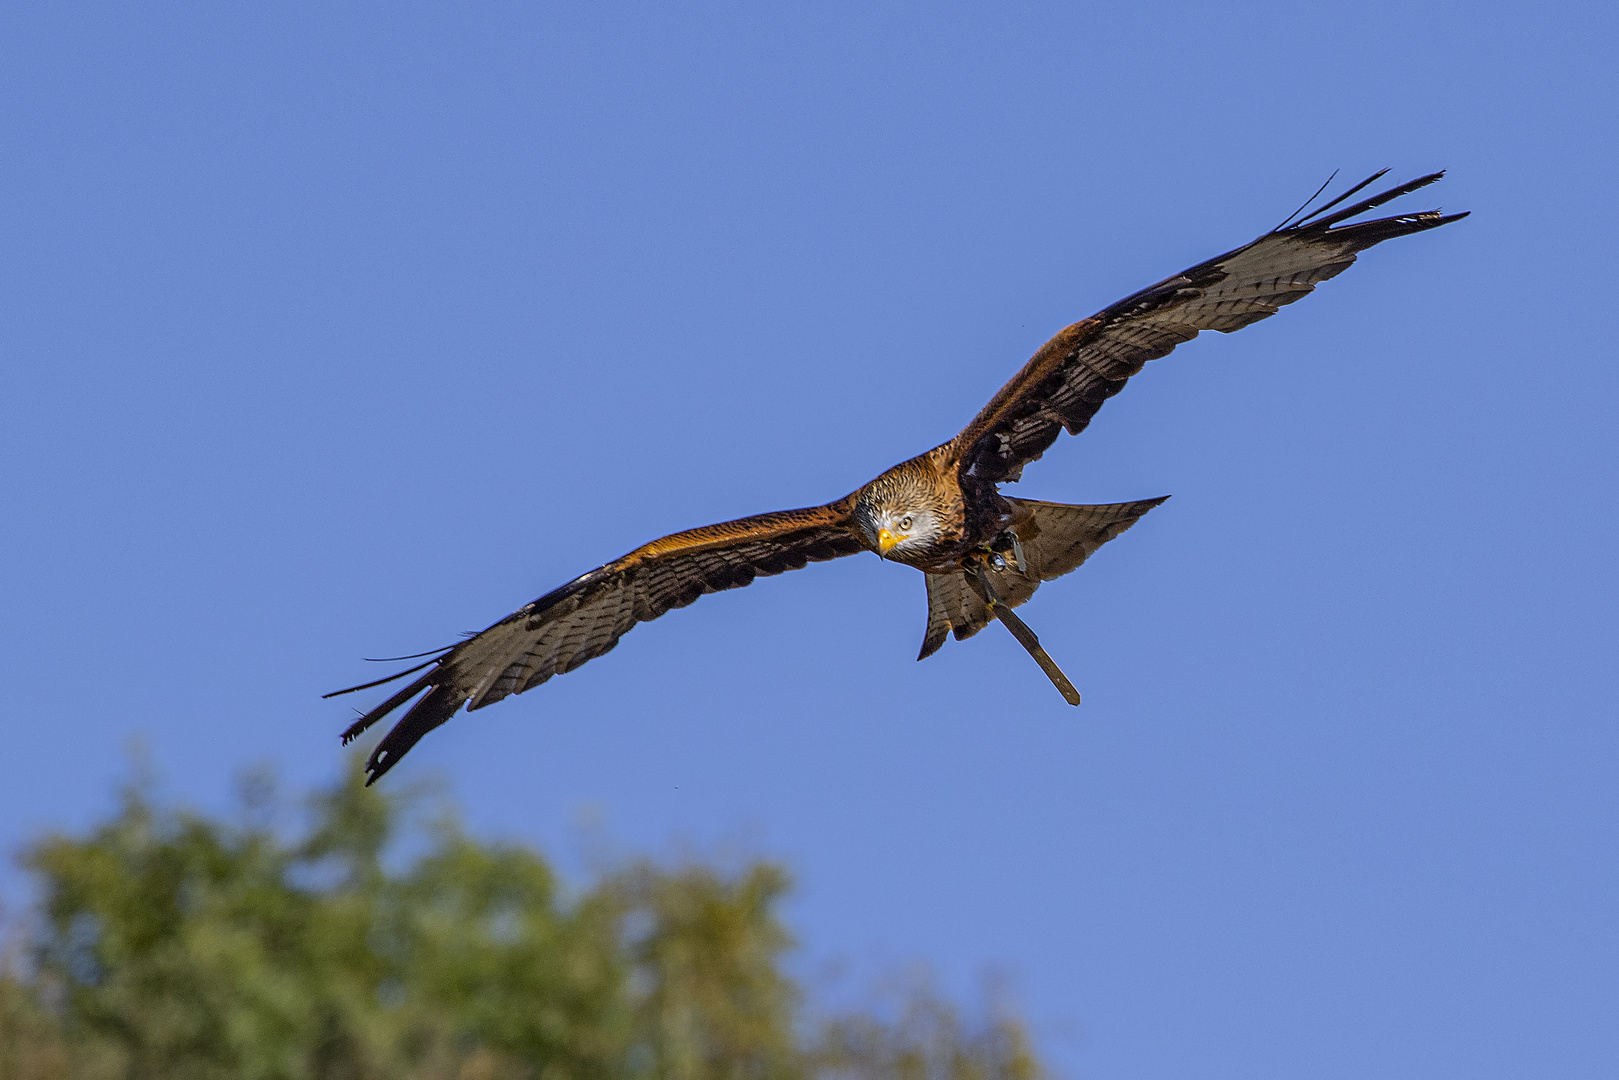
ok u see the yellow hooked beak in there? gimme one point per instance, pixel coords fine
(886, 541)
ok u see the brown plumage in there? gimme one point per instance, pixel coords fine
(983, 553)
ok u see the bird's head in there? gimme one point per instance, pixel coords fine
(899, 513)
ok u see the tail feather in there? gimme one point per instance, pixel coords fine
(1056, 539)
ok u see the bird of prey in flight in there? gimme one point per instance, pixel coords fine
(981, 553)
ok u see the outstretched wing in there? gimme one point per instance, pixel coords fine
(586, 617)
(1087, 363)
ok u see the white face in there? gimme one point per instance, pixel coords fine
(901, 530)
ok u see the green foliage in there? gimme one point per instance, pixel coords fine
(928, 1041)
(173, 945)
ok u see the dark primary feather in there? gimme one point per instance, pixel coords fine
(586, 617)
(1065, 383)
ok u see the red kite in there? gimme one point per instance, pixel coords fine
(982, 553)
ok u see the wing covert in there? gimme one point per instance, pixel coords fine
(1065, 383)
(586, 617)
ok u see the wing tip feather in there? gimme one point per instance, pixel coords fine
(440, 703)
(1321, 222)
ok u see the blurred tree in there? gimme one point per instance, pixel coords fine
(927, 1040)
(173, 945)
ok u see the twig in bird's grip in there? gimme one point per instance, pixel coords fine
(1025, 636)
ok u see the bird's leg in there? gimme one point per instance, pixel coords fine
(1004, 551)
(979, 582)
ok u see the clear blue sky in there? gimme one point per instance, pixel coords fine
(333, 330)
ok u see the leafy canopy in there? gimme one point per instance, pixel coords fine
(170, 944)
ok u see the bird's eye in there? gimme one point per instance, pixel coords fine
(905, 523)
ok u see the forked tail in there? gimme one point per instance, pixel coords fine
(1053, 539)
